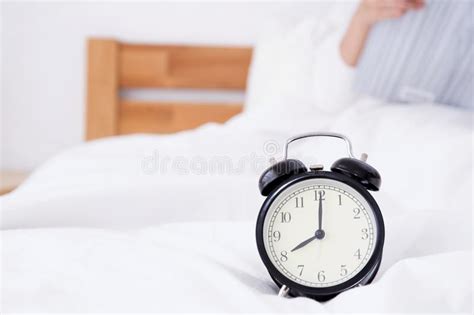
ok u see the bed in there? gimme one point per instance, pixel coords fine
(116, 67)
(156, 212)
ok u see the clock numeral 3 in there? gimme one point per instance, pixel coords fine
(365, 234)
(284, 256)
(356, 213)
(321, 276)
(301, 267)
(343, 271)
(299, 202)
(285, 217)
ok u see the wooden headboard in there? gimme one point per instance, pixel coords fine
(114, 66)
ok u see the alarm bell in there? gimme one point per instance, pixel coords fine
(278, 173)
(352, 167)
(358, 170)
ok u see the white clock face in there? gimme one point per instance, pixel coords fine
(319, 232)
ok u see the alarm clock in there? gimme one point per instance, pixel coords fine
(319, 232)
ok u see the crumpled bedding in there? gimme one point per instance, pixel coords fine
(92, 230)
(208, 267)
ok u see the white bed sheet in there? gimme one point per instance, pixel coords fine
(92, 230)
(421, 151)
(208, 267)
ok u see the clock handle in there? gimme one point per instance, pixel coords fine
(321, 134)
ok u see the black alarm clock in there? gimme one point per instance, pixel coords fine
(319, 232)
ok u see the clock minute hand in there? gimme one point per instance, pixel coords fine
(304, 243)
(320, 212)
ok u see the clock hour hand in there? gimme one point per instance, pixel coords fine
(304, 243)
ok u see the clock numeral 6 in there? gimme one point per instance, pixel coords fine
(276, 236)
(284, 256)
(285, 217)
(321, 276)
(356, 213)
(365, 234)
(343, 271)
(301, 268)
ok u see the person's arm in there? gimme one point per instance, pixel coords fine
(367, 14)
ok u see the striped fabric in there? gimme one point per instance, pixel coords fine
(425, 56)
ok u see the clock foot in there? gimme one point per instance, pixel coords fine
(283, 291)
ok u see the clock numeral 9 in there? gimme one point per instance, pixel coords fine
(284, 256)
(365, 234)
(319, 194)
(301, 267)
(285, 217)
(343, 271)
(356, 213)
(299, 202)
(321, 276)
(276, 236)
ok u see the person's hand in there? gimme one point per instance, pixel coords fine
(368, 13)
(372, 11)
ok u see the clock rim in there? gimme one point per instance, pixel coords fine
(363, 274)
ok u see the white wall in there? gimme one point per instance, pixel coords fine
(43, 58)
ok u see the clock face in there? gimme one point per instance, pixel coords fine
(319, 232)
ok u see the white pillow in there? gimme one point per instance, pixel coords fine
(281, 67)
(299, 67)
(332, 85)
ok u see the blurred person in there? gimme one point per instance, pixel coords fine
(412, 50)
(367, 14)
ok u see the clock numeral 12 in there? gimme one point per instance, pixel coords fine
(340, 200)
(319, 194)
